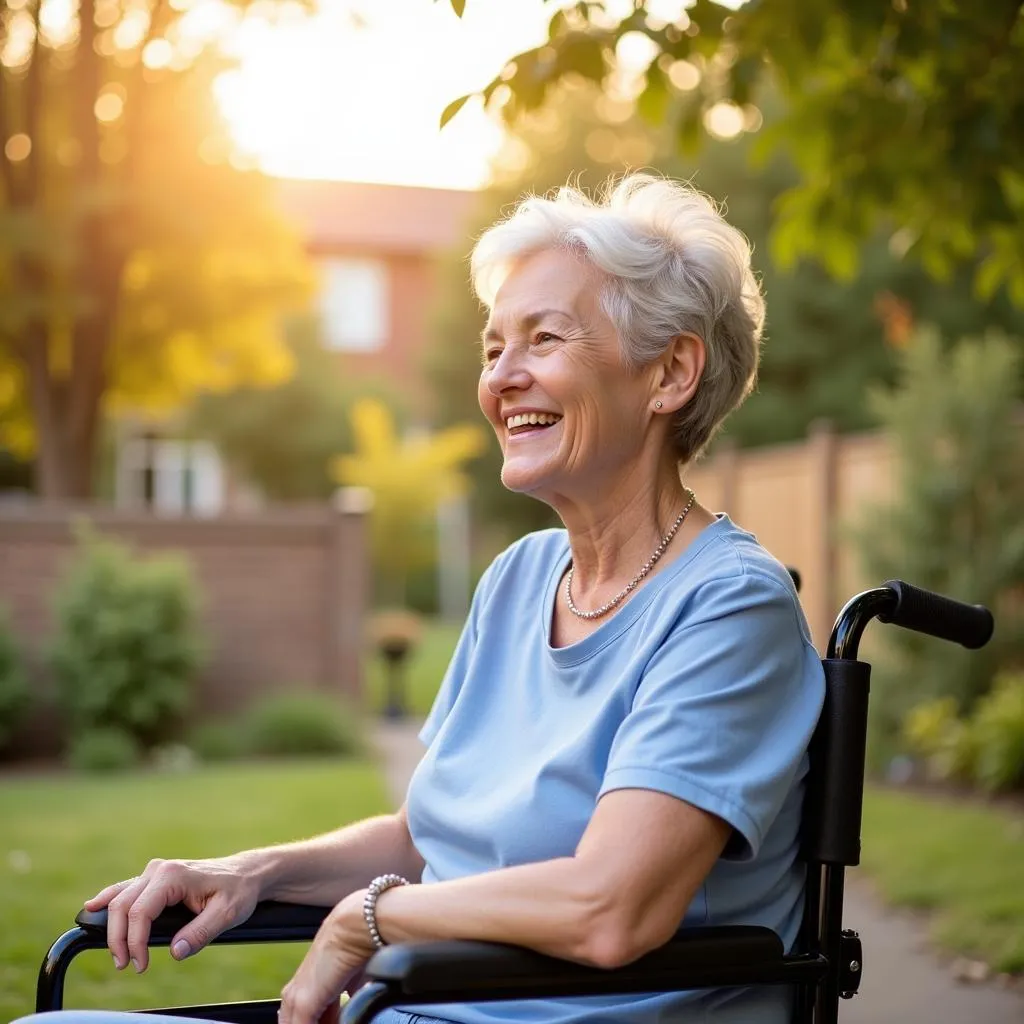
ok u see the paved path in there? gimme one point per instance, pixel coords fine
(903, 982)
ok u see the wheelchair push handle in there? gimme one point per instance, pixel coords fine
(923, 611)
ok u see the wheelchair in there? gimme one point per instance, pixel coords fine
(824, 968)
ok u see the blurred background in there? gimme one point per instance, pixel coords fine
(245, 490)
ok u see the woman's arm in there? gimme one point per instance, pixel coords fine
(222, 892)
(324, 870)
(638, 866)
(624, 892)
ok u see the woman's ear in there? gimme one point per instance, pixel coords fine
(681, 370)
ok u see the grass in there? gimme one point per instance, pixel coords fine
(963, 863)
(65, 837)
(423, 673)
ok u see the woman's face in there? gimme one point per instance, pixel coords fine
(569, 416)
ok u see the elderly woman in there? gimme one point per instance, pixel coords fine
(617, 750)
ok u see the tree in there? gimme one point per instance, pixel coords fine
(900, 116)
(408, 478)
(955, 523)
(137, 266)
(283, 438)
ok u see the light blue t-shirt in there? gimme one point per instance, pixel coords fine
(704, 686)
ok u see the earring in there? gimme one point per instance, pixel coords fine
(657, 405)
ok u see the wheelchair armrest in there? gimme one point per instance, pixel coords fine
(458, 971)
(269, 922)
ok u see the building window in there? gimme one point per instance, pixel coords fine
(354, 304)
(173, 478)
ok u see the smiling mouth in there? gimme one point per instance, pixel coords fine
(530, 423)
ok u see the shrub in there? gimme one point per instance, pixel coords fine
(985, 749)
(127, 645)
(299, 724)
(946, 743)
(998, 727)
(103, 750)
(14, 694)
(217, 741)
(956, 524)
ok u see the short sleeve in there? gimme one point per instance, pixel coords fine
(451, 684)
(725, 709)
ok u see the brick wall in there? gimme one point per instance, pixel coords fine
(284, 591)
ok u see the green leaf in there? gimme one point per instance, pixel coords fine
(453, 108)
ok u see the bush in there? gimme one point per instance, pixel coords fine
(301, 724)
(103, 750)
(14, 694)
(985, 749)
(217, 741)
(127, 645)
(998, 727)
(956, 524)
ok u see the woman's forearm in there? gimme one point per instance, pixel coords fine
(325, 869)
(553, 907)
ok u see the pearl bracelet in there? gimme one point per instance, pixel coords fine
(380, 884)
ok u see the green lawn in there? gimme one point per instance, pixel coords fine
(65, 837)
(963, 863)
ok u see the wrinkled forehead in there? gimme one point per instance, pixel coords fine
(557, 283)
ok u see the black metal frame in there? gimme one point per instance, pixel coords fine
(827, 967)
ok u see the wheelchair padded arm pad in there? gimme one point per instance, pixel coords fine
(270, 922)
(466, 970)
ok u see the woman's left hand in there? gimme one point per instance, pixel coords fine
(338, 953)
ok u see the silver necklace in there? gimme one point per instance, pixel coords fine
(636, 580)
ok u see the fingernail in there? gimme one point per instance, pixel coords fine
(117, 963)
(180, 949)
(135, 964)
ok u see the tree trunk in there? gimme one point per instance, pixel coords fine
(65, 455)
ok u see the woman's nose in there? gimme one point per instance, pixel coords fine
(508, 374)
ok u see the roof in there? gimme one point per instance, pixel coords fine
(395, 218)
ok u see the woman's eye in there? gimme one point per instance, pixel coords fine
(543, 336)
(491, 356)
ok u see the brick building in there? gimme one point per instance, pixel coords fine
(376, 250)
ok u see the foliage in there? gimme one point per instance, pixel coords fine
(14, 693)
(859, 80)
(128, 644)
(955, 524)
(103, 750)
(137, 266)
(282, 438)
(998, 726)
(408, 478)
(827, 341)
(220, 740)
(301, 724)
(957, 860)
(65, 837)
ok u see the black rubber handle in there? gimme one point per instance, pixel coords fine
(970, 625)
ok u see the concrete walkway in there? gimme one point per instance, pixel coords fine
(903, 983)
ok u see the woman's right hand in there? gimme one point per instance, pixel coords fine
(221, 892)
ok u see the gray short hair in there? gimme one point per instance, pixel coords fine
(674, 266)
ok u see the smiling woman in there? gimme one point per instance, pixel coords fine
(619, 745)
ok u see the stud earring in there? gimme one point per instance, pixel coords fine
(657, 405)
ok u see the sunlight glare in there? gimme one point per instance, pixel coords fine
(322, 97)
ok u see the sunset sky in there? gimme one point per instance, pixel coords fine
(321, 97)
